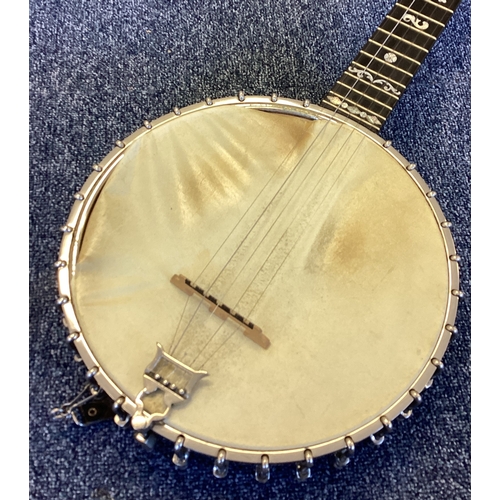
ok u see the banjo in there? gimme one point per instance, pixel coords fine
(264, 280)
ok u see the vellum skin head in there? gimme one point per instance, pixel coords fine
(308, 228)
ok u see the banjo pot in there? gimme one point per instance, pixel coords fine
(260, 279)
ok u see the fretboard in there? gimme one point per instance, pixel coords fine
(373, 83)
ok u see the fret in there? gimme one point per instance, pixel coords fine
(361, 74)
(452, 4)
(367, 88)
(383, 68)
(439, 4)
(427, 9)
(404, 32)
(390, 57)
(368, 120)
(373, 83)
(419, 21)
(375, 127)
(363, 104)
(399, 54)
(414, 24)
(399, 44)
(407, 10)
(356, 68)
(352, 88)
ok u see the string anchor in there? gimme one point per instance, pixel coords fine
(167, 382)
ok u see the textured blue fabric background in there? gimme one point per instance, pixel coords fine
(97, 70)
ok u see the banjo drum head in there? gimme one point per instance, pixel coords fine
(291, 219)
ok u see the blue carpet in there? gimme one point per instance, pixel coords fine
(97, 70)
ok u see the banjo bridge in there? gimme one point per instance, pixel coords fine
(250, 330)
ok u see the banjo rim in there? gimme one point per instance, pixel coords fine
(74, 228)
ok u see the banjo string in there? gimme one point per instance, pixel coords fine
(325, 197)
(358, 78)
(368, 64)
(298, 213)
(294, 147)
(377, 52)
(268, 284)
(281, 265)
(289, 202)
(293, 170)
(227, 238)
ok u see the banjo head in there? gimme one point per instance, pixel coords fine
(287, 252)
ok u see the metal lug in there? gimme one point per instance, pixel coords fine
(262, 471)
(220, 465)
(121, 418)
(181, 454)
(378, 437)
(146, 439)
(303, 468)
(342, 457)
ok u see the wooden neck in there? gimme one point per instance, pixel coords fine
(372, 85)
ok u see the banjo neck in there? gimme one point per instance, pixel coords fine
(371, 86)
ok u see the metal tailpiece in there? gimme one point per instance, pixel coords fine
(167, 382)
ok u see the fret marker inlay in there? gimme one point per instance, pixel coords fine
(390, 57)
(362, 73)
(353, 110)
(418, 23)
(375, 80)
